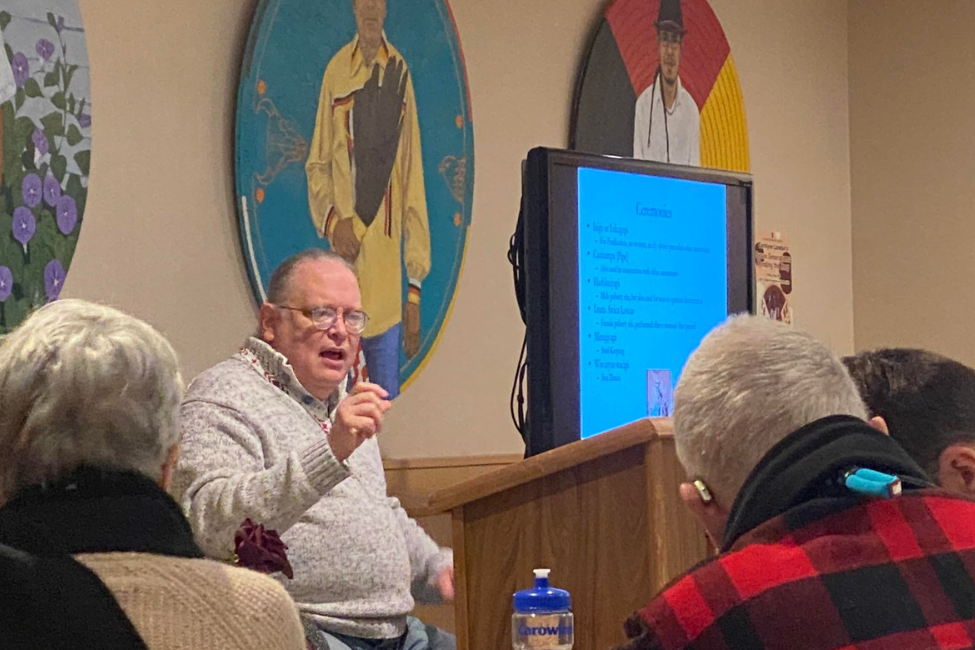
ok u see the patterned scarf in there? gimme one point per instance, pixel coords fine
(274, 367)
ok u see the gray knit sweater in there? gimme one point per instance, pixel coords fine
(253, 446)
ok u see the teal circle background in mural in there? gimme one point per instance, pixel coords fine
(290, 44)
(45, 109)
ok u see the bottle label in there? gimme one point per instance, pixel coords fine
(544, 631)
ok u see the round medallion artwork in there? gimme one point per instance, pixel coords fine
(45, 130)
(660, 83)
(354, 134)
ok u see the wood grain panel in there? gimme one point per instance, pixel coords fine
(604, 514)
(678, 538)
(571, 522)
(461, 580)
(412, 480)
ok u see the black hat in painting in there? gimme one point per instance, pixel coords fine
(670, 18)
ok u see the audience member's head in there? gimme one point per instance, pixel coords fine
(751, 383)
(85, 385)
(928, 404)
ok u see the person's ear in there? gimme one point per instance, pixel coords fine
(267, 318)
(879, 424)
(698, 498)
(956, 468)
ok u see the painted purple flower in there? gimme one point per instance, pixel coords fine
(21, 69)
(31, 189)
(6, 283)
(67, 214)
(60, 25)
(40, 141)
(52, 190)
(84, 120)
(53, 279)
(24, 225)
(45, 48)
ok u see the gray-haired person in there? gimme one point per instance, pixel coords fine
(89, 403)
(275, 434)
(830, 535)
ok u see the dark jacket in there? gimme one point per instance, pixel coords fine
(806, 564)
(50, 600)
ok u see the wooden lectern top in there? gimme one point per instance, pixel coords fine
(551, 462)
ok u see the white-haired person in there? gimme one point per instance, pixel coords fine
(830, 536)
(89, 400)
(280, 433)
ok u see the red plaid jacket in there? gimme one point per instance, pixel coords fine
(831, 573)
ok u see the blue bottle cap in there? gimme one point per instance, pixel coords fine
(542, 597)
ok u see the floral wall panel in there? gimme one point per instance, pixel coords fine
(45, 131)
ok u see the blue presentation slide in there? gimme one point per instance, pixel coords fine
(653, 281)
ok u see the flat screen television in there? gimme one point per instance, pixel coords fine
(626, 266)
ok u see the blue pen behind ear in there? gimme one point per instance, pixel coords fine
(872, 483)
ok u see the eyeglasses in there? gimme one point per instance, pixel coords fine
(324, 317)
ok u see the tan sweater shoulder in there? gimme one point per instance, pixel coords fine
(190, 604)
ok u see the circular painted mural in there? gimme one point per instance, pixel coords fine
(659, 83)
(354, 134)
(45, 100)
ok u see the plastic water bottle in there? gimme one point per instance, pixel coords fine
(543, 617)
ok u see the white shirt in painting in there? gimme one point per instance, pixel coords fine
(676, 139)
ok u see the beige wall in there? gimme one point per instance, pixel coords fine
(913, 155)
(160, 237)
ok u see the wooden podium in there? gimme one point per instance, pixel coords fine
(603, 513)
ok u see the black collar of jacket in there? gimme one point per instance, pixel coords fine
(97, 511)
(806, 464)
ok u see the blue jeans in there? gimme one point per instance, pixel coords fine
(382, 358)
(419, 636)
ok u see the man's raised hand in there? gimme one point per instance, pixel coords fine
(358, 418)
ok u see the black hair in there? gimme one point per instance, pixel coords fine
(927, 400)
